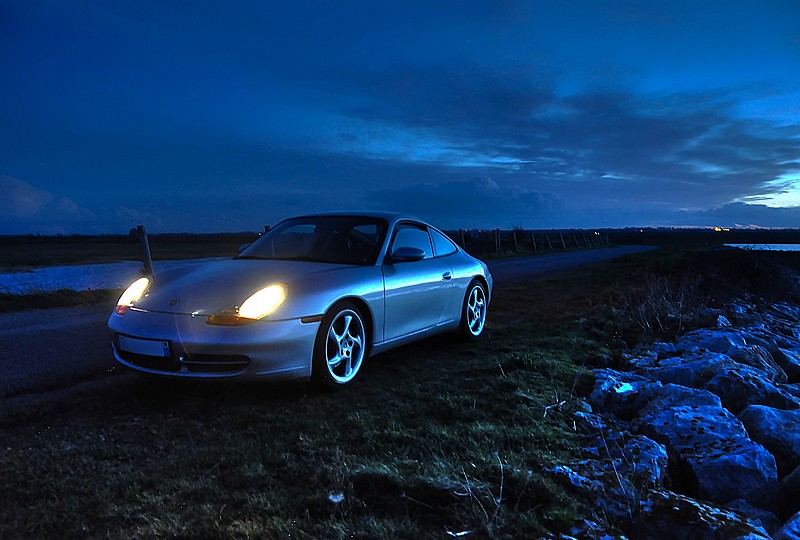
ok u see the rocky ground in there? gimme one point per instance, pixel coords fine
(698, 436)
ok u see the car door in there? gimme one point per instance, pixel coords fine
(416, 292)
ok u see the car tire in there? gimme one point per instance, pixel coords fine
(340, 347)
(473, 311)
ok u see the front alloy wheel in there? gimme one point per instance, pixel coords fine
(340, 346)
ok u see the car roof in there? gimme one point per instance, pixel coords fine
(391, 217)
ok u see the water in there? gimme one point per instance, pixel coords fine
(82, 277)
(767, 247)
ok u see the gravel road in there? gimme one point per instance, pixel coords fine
(49, 349)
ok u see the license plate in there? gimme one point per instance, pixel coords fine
(148, 347)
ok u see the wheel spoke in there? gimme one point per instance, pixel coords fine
(336, 337)
(347, 320)
(348, 368)
(335, 361)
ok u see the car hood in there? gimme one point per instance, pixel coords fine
(204, 289)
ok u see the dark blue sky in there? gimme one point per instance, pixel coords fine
(223, 116)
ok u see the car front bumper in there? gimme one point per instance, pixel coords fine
(186, 346)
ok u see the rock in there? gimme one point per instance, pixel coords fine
(601, 361)
(692, 371)
(713, 457)
(759, 357)
(738, 308)
(706, 317)
(615, 495)
(790, 530)
(621, 393)
(687, 425)
(761, 335)
(737, 468)
(723, 322)
(776, 430)
(789, 494)
(741, 385)
(719, 341)
(639, 459)
(789, 361)
(636, 457)
(758, 516)
(793, 389)
(643, 461)
(622, 467)
(786, 311)
(673, 395)
(586, 529)
(744, 315)
(588, 423)
(668, 515)
(658, 349)
(582, 405)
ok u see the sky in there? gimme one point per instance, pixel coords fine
(201, 116)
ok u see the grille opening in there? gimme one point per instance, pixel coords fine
(215, 363)
(196, 363)
(155, 363)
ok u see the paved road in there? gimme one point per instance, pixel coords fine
(508, 270)
(46, 349)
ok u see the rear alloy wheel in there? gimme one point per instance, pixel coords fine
(340, 347)
(473, 314)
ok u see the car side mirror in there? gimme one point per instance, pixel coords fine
(407, 254)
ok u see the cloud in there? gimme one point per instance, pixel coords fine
(25, 209)
(690, 150)
(479, 202)
(751, 215)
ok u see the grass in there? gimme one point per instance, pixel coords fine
(436, 437)
(60, 298)
(21, 252)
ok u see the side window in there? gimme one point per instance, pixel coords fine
(413, 236)
(441, 244)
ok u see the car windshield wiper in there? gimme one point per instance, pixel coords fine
(300, 258)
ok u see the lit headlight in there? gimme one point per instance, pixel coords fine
(132, 294)
(257, 306)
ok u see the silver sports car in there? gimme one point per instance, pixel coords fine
(311, 298)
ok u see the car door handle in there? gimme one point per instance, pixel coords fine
(447, 276)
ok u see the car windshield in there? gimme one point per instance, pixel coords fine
(328, 239)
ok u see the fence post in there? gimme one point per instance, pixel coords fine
(144, 244)
(533, 241)
(563, 244)
(463, 238)
(497, 240)
(575, 239)
(549, 243)
(516, 245)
